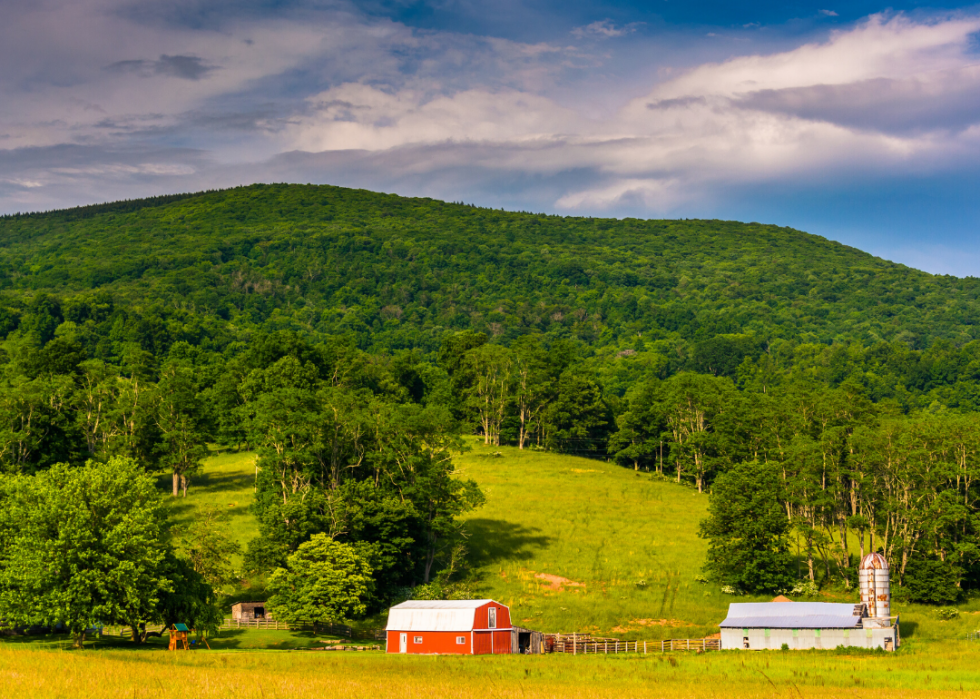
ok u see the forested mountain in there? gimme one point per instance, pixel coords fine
(350, 338)
(398, 272)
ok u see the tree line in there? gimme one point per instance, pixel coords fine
(359, 446)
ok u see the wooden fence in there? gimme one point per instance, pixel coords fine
(329, 629)
(578, 645)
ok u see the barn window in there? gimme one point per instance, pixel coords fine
(418, 639)
(492, 621)
(461, 640)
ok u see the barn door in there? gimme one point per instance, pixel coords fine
(403, 643)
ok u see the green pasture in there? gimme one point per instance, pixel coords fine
(227, 484)
(625, 541)
(226, 640)
(570, 544)
(629, 539)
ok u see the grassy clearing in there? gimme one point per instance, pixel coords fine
(226, 640)
(732, 675)
(629, 539)
(606, 528)
(226, 482)
(625, 542)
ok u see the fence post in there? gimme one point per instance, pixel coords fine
(574, 644)
(644, 648)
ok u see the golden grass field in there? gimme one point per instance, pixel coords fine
(264, 675)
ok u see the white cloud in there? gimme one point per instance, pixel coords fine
(356, 116)
(752, 118)
(828, 13)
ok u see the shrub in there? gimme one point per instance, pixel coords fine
(947, 613)
(931, 581)
(807, 588)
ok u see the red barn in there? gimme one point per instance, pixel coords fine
(466, 627)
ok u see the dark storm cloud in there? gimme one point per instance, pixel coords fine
(186, 67)
(677, 103)
(949, 101)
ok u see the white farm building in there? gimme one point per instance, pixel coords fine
(801, 625)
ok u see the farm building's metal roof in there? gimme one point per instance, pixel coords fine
(434, 615)
(796, 615)
(443, 604)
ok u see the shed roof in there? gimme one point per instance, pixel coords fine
(434, 615)
(798, 615)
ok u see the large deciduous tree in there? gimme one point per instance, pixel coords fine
(179, 418)
(83, 546)
(746, 529)
(324, 581)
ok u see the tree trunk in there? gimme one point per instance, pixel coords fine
(78, 640)
(429, 560)
(809, 556)
(176, 482)
(183, 484)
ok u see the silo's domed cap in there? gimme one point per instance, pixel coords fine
(874, 561)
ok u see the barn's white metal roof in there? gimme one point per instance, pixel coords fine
(795, 615)
(443, 604)
(434, 615)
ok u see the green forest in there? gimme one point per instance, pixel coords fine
(352, 339)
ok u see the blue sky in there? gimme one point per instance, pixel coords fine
(858, 122)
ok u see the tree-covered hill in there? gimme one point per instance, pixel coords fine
(399, 273)
(350, 338)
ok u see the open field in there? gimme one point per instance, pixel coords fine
(264, 675)
(619, 549)
(226, 483)
(627, 543)
(227, 639)
(573, 545)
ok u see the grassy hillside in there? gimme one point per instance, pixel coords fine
(226, 484)
(574, 544)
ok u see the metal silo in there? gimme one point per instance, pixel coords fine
(875, 586)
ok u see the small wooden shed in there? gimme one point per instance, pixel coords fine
(525, 641)
(249, 611)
